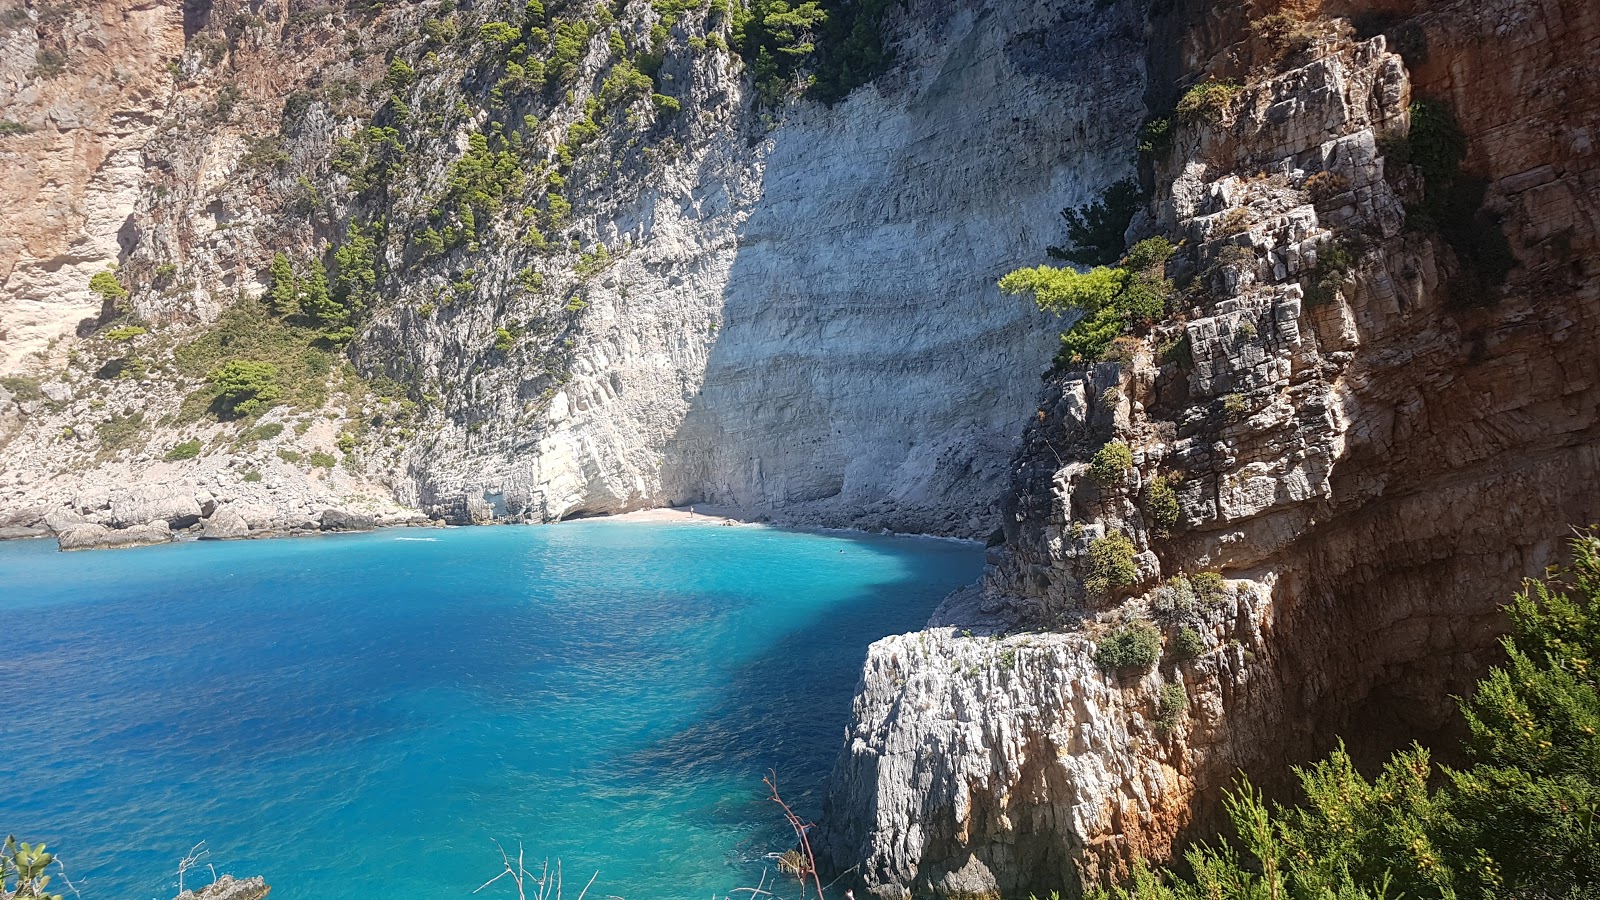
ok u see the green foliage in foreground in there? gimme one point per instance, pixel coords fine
(1521, 823)
(22, 870)
(1112, 300)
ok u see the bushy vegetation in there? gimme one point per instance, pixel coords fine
(186, 450)
(1452, 201)
(264, 432)
(22, 387)
(1187, 643)
(1110, 564)
(1111, 464)
(246, 388)
(248, 332)
(840, 43)
(124, 333)
(108, 286)
(1161, 504)
(1171, 702)
(1112, 300)
(1207, 102)
(1521, 820)
(1135, 646)
(777, 38)
(22, 871)
(1095, 231)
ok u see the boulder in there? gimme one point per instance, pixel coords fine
(226, 524)
(344, 520)
(62, 519)
(174, 506)
(90, 536)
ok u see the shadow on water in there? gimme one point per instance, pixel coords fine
(786, 709)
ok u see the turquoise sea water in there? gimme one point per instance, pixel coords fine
(360, 716)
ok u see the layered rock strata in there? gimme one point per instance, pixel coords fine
(1365, 464)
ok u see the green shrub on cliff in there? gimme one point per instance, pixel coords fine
(246, 388)
(1110, 465)
(1521, 821)
(1161, 504)
(1136, 646)
(185, 450)
(1095, 229)
(1207, 101)
(1111, 564)
(107, 286)
(1112, 300)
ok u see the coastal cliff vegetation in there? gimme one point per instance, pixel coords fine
(1520, 820)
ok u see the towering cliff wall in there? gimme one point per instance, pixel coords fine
(1373, 427)
(788, 311)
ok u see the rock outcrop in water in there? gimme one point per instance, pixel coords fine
(788, 312)
(229, 888)
(1373, 427)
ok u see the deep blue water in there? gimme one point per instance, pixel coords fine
(359, 717)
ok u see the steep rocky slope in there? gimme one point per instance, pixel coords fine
(1372, 427)
(681, 298)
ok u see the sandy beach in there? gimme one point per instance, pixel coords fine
(704, 515)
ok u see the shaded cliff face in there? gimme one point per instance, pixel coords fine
(1370, 461)
(794, 315)
(808, 328)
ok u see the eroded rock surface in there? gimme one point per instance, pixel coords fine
(1371, 469)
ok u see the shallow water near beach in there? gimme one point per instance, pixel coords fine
(363, 716)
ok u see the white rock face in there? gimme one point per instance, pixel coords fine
(809, 327)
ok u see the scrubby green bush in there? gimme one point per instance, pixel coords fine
(504, 340)
(187, 450)
(1330, 274)
(1111, 564)
(263, 432)
(1210, 588)
(1155, 138)
(321, 459)
(252, 476)
(246, 388)
(1518, 822)
(1161, 504)
(1171, 702)
(124, 333)
(1207, 101)
(1135, 646)
(22, 387)
(1175, 600)
(1187, 643)
(1110, 464)
(121, 432)
(107, 286)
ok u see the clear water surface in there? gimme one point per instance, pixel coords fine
(360, 717)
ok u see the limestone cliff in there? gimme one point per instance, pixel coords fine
(787, 311)
(1373, 425)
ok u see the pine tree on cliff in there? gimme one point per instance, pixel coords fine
(1522, 823)
(285, 291)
